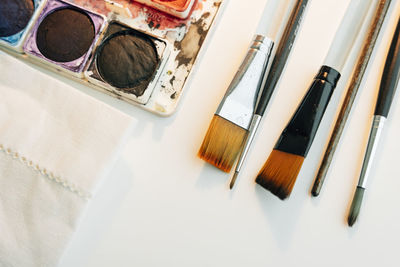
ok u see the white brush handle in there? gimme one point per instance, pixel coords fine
(347, 33)
(275, 14)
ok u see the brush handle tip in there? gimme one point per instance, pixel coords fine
(233, 180)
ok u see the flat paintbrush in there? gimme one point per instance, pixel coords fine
(231, 121)
(348, 101)
(278, 64)
(389, 81)
(280, 171)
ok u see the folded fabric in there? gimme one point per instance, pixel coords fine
(56, 145)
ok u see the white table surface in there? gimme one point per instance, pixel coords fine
(163, 206)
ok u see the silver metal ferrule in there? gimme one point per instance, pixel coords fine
(255, 122)
(376, 130)
(240, 99)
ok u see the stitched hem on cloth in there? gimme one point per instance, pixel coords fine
(46, 173)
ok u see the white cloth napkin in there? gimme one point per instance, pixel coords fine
(56, 145)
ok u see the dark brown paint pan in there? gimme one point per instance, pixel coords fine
(128, 62)
(64, 36)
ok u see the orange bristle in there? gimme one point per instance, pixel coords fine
(222, 143)
(279, 173)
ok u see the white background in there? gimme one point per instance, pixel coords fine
(162, 206)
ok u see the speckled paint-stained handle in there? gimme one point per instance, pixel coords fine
(282, 54)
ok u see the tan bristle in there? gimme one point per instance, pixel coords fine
(279, 173)
(222, 143)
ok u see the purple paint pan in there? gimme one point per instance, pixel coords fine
(64, 36)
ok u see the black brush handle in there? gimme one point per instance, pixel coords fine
(301, 129)
(282, 54)
(390, 76)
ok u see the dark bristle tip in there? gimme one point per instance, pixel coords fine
(351, 220)
(279, 173)
(278, 192)
(222, 143)
(355, 206)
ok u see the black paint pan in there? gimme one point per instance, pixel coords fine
(127, 62)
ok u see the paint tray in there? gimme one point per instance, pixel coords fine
(178, 41)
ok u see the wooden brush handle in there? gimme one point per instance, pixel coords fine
(390, 76)
(300, 131)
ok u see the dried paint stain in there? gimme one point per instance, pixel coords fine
(190, 45)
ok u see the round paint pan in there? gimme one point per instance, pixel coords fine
(127, 60)
(15, 16)
(128, 63)
(64, 36)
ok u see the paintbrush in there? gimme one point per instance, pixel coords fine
(278, 64)
(348, 101)
(280, 171)
(231, 121)
(389, 81)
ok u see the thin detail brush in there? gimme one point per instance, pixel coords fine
(356, 80)
(280, 171)
(231, 121)
(389, 82)
(278, 64)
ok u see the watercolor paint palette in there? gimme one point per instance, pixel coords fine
(136, 52)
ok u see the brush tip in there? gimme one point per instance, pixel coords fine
(355, 206)
(279, 173)
(222, 143)
(233, 180)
